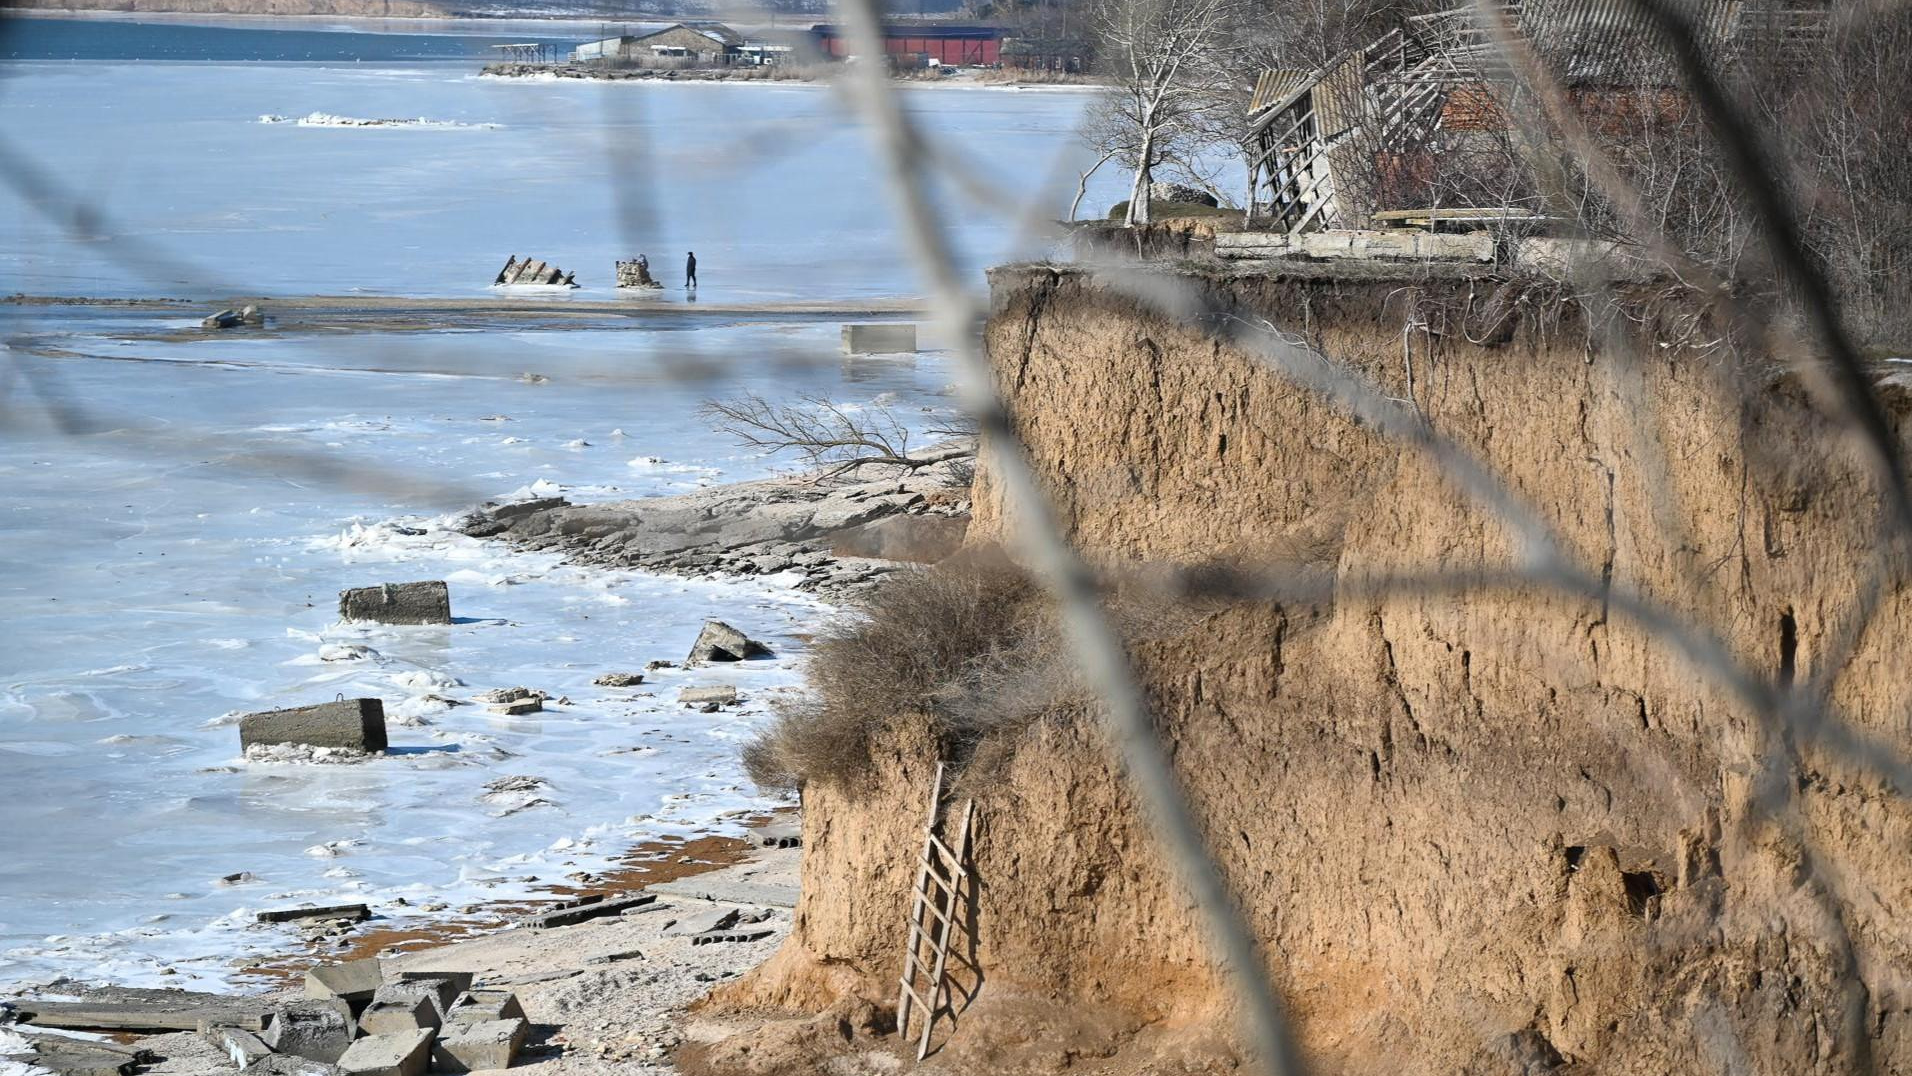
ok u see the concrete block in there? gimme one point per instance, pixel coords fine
(242, 1046)
(407, 1053)
(483, 1004)
(353, 724)
(478, 1046)
(884, 338)
(427, 602)
(518, 707)
(399, 1014)
(318, 1029)
(432, 990)
(456, 983)
(354, 980)
(721, 694)
(721, 642)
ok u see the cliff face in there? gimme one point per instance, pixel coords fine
(1494, 832)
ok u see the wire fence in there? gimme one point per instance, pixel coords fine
(1785, 305)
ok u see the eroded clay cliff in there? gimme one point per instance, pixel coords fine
(1500, 831)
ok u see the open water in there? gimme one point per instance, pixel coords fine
(180, 511)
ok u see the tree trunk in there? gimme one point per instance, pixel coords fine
(1082, 188)
(1139, 191)
(1248, 203)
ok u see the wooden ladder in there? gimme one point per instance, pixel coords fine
(943, 892)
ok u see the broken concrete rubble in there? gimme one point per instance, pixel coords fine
(619, 680)
(347, 724)
(721, 642)
(530, 272)
(718, 694)
(812, 532)
(424, 602)
(636, 274)
(518, 706)
(232, 319)
(76, 1057)
(479, 1046)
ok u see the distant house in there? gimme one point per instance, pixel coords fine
(680, 45)
(945, 43)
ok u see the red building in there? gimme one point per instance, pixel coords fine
(957, 45)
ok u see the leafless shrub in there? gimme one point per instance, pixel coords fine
(936, 642)
(830, 437)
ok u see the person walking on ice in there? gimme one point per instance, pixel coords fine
(690, 269)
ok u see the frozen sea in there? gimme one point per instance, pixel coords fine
(181, 509)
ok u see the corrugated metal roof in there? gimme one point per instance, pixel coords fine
(1279, 86)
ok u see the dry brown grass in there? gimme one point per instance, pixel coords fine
(970, 643)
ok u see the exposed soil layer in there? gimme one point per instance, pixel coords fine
(1489, 830)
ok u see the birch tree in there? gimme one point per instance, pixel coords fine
(1158, 52)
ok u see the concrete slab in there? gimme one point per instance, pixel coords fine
(736, 934)
(354, 980)
(353, 724)
(731, 890)
(702, 921)
(426, 602)
(242, 1046)
(564, 917)
(882, 338)
(486, 1044)
(357, 913)
(394, 1016)
(151, 1017)
(405, 1054)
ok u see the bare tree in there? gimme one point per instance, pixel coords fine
(1159, 52)
(833, 437)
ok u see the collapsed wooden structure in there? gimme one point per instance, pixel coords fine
(530, 272)
(1326, 142)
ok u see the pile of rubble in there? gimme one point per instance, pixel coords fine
(838, 537)
(354, 1020)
